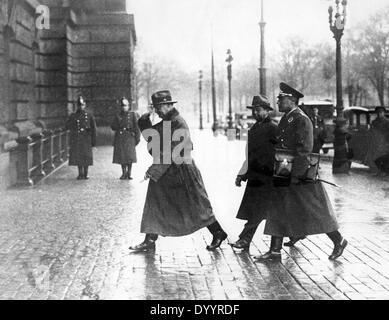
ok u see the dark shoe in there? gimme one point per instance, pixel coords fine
(124, 176)
(144, 246)
(338, 249)
(241, 244)
(80, 177)
(217, 240)
(269, 256)
(293, 241)
(85, 177)
(128, 176)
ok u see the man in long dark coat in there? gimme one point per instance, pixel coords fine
(318, 130)
(177, 203)
(379, 146)
(82, 128)
(303, 207)
(257, 170)
(127, 137)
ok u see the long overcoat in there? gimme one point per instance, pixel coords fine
(318, 132)
(127, 137)
(82, 128)
(304, 208)
(176, 203)
(378, 138)
(258, 170)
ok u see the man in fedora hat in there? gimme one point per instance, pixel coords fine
(127, 137)
(82, 128)
(302, 207)
(257, 170)
(176, 203)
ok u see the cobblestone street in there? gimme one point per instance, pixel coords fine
(68, 239)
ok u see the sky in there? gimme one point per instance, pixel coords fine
(183, 30)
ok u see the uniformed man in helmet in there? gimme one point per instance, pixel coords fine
(82, 128)
(127, 137)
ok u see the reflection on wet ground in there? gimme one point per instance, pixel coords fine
(68, 239)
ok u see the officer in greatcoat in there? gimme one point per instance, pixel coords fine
(82, 128)
(257, 170)
(176, 203)
(302, 207)
(127, 137)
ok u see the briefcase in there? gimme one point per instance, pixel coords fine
(283, 167)
(283, 163)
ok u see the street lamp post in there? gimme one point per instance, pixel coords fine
(262, 69)
(229, 77)
(388, 92)
(200, 100)
(341, 163)
(213, 90)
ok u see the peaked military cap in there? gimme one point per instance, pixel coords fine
(288, 91)
(161, 97)
(260, 101)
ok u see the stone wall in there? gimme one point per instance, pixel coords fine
(100, 66)
(88, 50)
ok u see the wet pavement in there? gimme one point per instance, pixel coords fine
(68, 239)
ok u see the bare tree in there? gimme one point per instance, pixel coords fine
(245, 85)
(327, 60)
(156, 73)
(371, 44)
(297, 63)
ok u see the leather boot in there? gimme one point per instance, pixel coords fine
(129, 168)
(243, 244)
(217, 240)
(124, 172)
(148, 244)
(293, 241)
(274, 254)
(338, 249)
(85, 177)
(80, 173)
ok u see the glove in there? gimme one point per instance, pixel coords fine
(147, 175)
(238, 181)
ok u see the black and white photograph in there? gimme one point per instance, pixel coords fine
(212, 152)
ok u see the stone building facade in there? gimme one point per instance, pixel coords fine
(88, 49)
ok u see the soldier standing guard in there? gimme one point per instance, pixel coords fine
(302, 207)
(127, 137)
(82, 128)
(176, 203)
(257, 170)
(318, 130)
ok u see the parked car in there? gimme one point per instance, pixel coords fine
(327, 112)
(359, 120)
